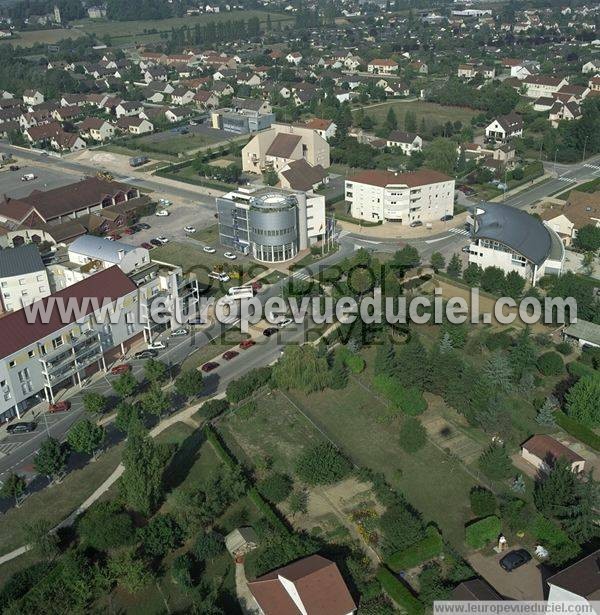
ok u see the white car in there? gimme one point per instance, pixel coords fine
(285, 322)
(209, 250)
(189, 229)
(162, 239)
(161, 213)
(156, 346)
(218, 275)
(230, 255)
(179, 332)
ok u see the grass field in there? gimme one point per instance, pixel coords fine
(125, 150)
(432, 113)
(176, 144)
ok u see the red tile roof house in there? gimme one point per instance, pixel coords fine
(543, 451)
(310, 586)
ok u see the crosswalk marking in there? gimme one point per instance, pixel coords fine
(300, 275)
(459, 231)
(7, 447)
(596, 167)
(568, 180)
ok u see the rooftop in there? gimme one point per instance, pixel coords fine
(382, 179)
(20, 260)
(581, 578)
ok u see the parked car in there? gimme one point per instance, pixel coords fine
(270, 331)
(415, 223)
(208, 367)
(466, 249)
(286, 322)
(147, 245)
(163, 239)
(144, 226)
(515, 559)
(256, 286)
(189, 229)
(179, 332)
(247, 344)
(230, 354)
(230, 255)
(158, 345)
(14, 167)
(28, 177)
(209, 249)
(121, 369)
(24, 427)
(156, 242)
(59, 406)
(110, 238)
(161, 213)
(447, 217)
(146, 354)
(219, 275)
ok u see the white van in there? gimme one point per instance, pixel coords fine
(218, 275)
(27, 177)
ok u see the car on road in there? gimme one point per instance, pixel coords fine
(24, 427)
(230, 255)
(219, 275)
(14, 167)
(121, 369)
(209, 249)
(230, 354)
(247, 344)
(146, 354)
(447, 217)
(28, 177)
(162, 213)
(286, 322)
(208, 367)
(163, 239)
(59, 406)
(270, 331)
(415, 223)
(156, 242)
(144, 226)
(189, 229)
(179, 332)
(515, 559)
(115, 236)
(158, 345)
(147, 245)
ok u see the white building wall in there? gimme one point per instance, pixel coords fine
(24, 289)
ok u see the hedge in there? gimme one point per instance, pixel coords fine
(244, 386)
(354, 362)
(579, 369)
(398, 592)
(409, 399)
(224, 455)
(479, 533)
(420, 552)
(577, 430)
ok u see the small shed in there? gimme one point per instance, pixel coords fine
(241, 541)
(583, 333)
(542, 452)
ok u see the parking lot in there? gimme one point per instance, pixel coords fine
(47, 178)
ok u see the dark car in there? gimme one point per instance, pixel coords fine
(145, 354)
(208, 367)
(270, 331)
(14, 167)
(143, 226)
(147, 245)
(60, 406)
(230, 354)
(513, 560)
(25, 427)
(247, 344)
(155, 242)
(415, 223)
(447, 217)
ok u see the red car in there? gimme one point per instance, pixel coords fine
(256, 286)
(247, 344)
(121, 369)
(60, 406)
(230, 354)
(127, 231)
(146, 245)
(115, 236)
(208, 367)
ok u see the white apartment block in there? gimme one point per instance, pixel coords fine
(23, 277)
(422, 196)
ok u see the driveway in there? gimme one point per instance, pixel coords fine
(524, 583)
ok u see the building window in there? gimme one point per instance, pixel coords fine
(22, 281)
(57, 342)
(31, 354)
(11, 363)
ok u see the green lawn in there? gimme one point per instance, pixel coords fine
(208, 235)
(591, 186)
(177, 144)
(432, 113)
(125, 150)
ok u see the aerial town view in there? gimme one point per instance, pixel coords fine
(299, 307)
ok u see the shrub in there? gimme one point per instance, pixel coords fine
(498, 341)
(322, 464)
(275, 487)
(208, 546)
(479, 533)
(494, 462)
(560, 546)
(579, 369)
(161, 535)
(408, 399)
(355, 363)
(413, 435)
(577, 430)
(422, 551)
(243, 387)
(564, 348)
(106, 525)
(483, 502)
(213, 408)
(550, 364)
(398, 592)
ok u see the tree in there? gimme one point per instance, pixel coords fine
(522, 354)
(270, 177)
(472, 274)
(181, 570)
(189, 383)
(51, 458)
(13, 487)
(298, 502)
(126, 415)
(438, 262)
(558, 489)
(410, 121)
(338, 376)
(94, 403)
(155, 371)
(42, 539)
(441, 155)
(208, 545)
(589, 258)
(391, 121)
(545, 415)
(579, 518)
(492, 280)
(322, 464)
(514, 285)
(454, 266)
(155, 401)
(495, 463)
(301, 368)
(413, 435)
(385, 357)
(86, 437)
(414, 362)
(498, 372)
(483, 502)
(518, 485)
(129, 570)
(550, 364)
(161, 535)
(400, 527)
(432, 585)
(583, 401)
(276, 487)
(125, 385)
(588, 238)
(105, 525)
(406, 258)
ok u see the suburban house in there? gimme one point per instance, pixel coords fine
(23, 277)
(312, 585)
(593, 66)
(299, 175)
(504, 128)
(542, 85)
(383, 66)
(204, 99)
(564, 112)
(102, 254)
(32, 98)
(128, 108)
(135, 125)
(579, 583)
(294, 58)
(543, 451)
(580, 209)
(66, 141)
(96, 129)
(324, 128)
(583, 333)
(408, 142)
(181, 96)
(405, 198)
(275, 148)
(513, 240)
